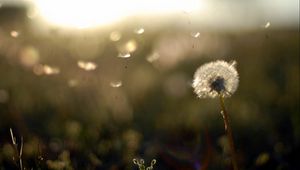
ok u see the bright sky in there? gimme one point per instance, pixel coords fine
(78, 13)
(230, 14)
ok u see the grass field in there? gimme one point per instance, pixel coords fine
(99, 98)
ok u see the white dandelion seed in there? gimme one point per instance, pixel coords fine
(216, 78)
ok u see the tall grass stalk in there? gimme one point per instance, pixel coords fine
(18, 151)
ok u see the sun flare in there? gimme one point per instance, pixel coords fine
(90, 13)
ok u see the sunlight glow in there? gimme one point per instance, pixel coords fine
(90, 13)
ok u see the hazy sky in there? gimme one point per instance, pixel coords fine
(231, 14)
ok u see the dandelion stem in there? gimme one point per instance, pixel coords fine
(229, 133)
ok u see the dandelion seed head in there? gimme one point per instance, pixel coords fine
(217, 84)
(216, 78)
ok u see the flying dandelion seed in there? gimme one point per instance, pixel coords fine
(115, 36)
(268, 24)
(40, 69)
(124, 55)
(88, 66)
(14, 34)
(139, 30)
(116, 84)
(195, 34)
(32, 13)
(153, 57)
(73, 83)
(216, 78)
(51, 70)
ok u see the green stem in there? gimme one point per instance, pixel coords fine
(228, 133)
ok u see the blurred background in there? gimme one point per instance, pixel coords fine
(94, 84)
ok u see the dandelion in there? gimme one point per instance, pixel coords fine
(216, 78)
(221, 79)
